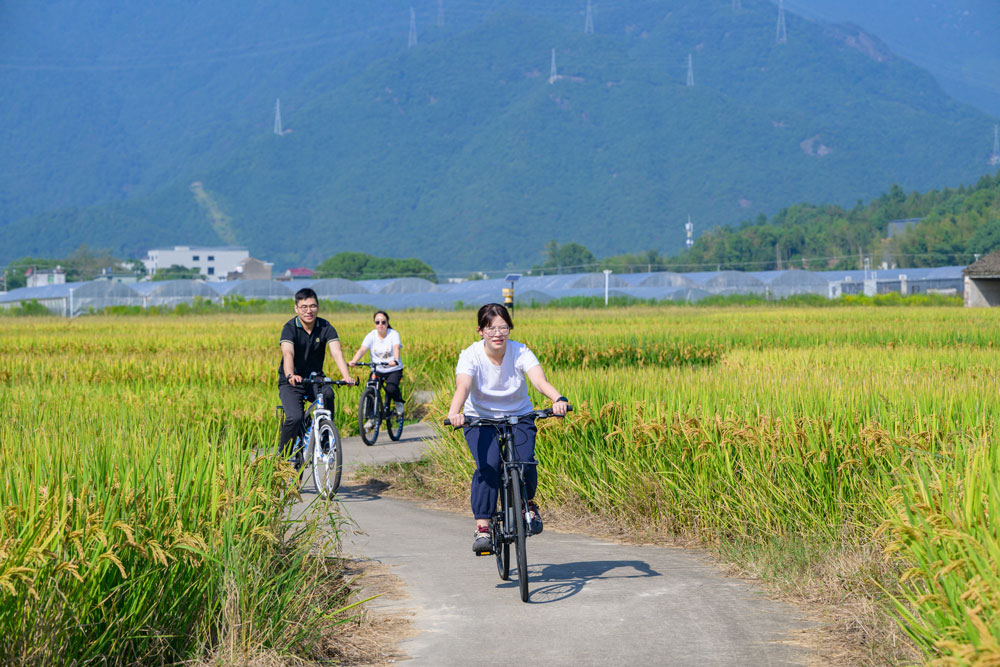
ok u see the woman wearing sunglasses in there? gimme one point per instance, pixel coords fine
(490, 382)
(384, 345)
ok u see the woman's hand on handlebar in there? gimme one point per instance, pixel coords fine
(457, 419)
(560, 408)
(294, 379)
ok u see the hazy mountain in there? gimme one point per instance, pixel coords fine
(459, 150)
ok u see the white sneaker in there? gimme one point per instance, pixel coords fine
(399, 409)
(369, 424)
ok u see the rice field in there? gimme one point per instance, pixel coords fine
(139, 525)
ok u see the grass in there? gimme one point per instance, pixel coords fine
(845, 455)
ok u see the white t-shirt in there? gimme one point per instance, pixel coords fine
(381, 349)
(497, 391)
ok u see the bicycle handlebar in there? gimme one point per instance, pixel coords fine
(488, 421)
(321, 380)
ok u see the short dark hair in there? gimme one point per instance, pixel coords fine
(382, 312)
(305, 293)
(491, 310)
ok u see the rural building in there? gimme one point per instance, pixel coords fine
(982, 281)
(43, 277)
(298, 273)
(214, 263)
(251, 269)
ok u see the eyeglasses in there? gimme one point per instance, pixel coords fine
(381, 321)
(501, 330)
(313, 306)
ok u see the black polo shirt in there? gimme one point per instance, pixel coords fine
(310, 348)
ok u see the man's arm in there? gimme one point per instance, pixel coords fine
(288, 362)
(338, 357)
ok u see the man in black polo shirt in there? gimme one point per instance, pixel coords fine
(303, 347)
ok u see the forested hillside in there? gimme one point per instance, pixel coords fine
(955, 227)
(461, 152)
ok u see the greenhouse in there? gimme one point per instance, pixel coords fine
(172, 293)
(404, 293)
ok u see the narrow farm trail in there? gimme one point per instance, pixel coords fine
(593, 602)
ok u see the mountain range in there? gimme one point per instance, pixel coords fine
(461, 149)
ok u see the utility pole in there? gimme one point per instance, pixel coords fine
(588, 25)
(277, 118)
(552, 70)
(689, 229)
(781, 36)
(412, 39)
(690, 77)
(440, 16)
(607, 280)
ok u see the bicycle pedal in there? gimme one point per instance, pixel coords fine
(488, 552)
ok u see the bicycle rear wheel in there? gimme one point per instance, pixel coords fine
(368, 416)
(393, 421)
(327, 461)
(521, 532)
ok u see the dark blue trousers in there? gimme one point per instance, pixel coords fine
(485, 447)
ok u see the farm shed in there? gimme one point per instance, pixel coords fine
(982, 281)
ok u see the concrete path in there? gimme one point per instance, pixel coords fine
(592, 602)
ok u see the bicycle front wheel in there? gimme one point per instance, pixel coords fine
(501, 549)
(368, 417)
(393, 420)
(328, 458)
(521, 533)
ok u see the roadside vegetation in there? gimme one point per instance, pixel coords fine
(846, 457)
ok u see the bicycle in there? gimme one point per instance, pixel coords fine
(510, 524)
(318, 440)
(373, 409)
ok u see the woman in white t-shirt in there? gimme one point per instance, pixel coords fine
(385, 347)
(490, 382)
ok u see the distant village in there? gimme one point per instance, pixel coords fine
(212, 263)
(217, 273)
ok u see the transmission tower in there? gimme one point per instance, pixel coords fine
(995, 155)
(780, 36)
(440, 17)
(689, 230)
(552, 70)
(690, 79)
(412, 40)
(588, 26)
(277, 118)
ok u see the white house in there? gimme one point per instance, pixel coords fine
(214, 263)
(42, 277)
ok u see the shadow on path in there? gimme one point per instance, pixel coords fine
(568, 579)
(361, 493)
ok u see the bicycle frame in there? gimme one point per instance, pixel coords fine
(507, 453)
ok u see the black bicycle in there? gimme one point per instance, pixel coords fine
(318, 440)
(510, 524)
(375, 407)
